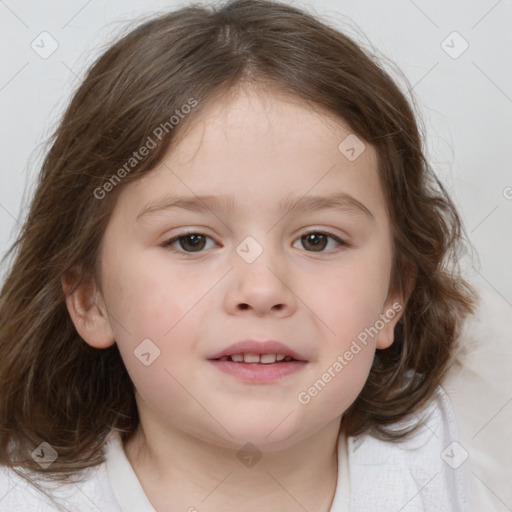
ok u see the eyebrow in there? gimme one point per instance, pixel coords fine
(226, 203)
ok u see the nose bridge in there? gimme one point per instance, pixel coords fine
(250, 249)
(260, 277)
(260, 260)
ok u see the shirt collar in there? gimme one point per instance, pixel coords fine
(131, 496)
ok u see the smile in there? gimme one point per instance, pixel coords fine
(256, 358)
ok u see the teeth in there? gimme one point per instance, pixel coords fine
(268, 358)
(255, 358)
(251, 358)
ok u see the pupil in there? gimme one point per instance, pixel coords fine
(315, 239)
(195, 241)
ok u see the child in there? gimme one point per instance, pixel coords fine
(233, 290)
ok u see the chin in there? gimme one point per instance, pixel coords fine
(264, 434)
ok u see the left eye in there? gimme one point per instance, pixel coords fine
(195, 242)
(319, 240)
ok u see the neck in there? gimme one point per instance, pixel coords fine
(191, 474)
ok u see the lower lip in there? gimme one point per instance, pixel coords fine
(258, 372)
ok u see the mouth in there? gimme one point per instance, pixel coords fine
(258, 362)
(262, 352)
(257, 358)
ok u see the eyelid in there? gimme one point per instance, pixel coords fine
(325, 231)
(167, 243)
(343, 243)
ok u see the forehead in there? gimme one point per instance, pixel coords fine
(263, 147)
(266, 115)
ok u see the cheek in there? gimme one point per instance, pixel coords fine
(149, 298)
(351, 368)
(347, 301)
(148, 307)
(158, 384)
(339, 378)
(347, 305)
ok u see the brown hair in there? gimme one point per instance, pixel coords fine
(54, 386)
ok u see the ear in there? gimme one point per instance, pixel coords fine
(87, 310)
(391, 313)
(393, 309)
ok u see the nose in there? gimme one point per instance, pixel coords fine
(260, 288)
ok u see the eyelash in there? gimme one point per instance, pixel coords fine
(168, 243)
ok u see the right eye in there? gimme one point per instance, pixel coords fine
(189, 242)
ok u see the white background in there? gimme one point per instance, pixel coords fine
(466, 102)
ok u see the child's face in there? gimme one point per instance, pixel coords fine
(309, 293)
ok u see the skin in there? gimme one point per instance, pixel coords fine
(260, 147)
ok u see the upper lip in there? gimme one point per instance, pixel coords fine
(258, 347)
